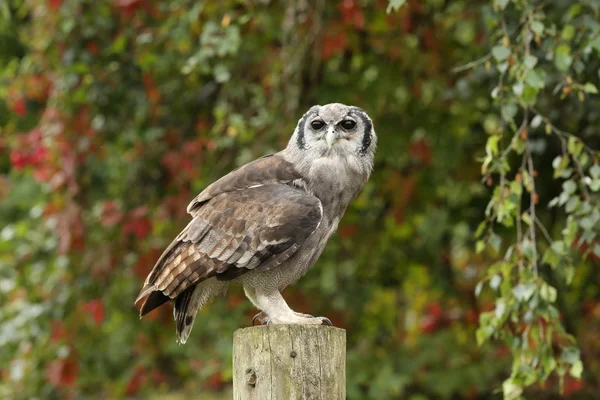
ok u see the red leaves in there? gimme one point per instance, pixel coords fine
(433, 319)
(55, 3)
(129, 7)
(401, 189)
(420, 150)
(62, 372)
(30, 152)
(233, 300)
(95, 308)
(182, 164)
(138, 223)
(348, 230)
(19, 159)
(145, 262)
(140, 378)
(151, 91)
(18, 107)
(334, 43)
(111, 215)
(58, 331)
(351, 13)
(92, 48)
(572, 385)
(215, 381)
(136, 381)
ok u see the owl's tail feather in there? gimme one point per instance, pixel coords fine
(155, 300)
(190, 301)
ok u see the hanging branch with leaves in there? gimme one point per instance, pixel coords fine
(534, 51)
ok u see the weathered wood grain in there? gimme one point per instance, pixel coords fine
(287, 362)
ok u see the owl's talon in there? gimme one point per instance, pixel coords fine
(325, 321)
(262, 318)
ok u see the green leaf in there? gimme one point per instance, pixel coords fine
(536, 121)
(563, 49)
(495, 92)
(221, 73)
(595, 43)
(530, 61)
(511, 390)
(569, 186)
(495, 281)
(534, 79)
(502, 4)
(574, 146)
(537, 27)
(526, 218)
(586, 223)
(480, 228)
(500, 308)
(518, 88)
(550, 258)
(572, 204)
(576, 369)
(524, 292)
(568, 32)
(563, 62)
(479, 246)
(530, 95)
(590, 88)
(500, 53)
(548, 293)
(394, 5)
(516, 188)
(509, 110)
(571, 355)
(478, 288)
(482, 335)
(491, 147)
(574, 11)
(495, 241)
(595, 171)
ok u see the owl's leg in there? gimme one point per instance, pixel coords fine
(303, 315)
(251, 295)
(261, 317)
(278, 311)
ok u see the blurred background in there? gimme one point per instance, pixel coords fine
(115, 114)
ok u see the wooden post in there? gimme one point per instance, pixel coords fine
(288, 362)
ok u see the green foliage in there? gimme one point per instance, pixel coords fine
(530, 57)
(115, 114)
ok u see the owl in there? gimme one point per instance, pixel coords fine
(266, 223)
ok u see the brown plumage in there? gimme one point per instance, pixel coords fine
(266, 223)
(234, 231)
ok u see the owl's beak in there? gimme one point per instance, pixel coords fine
(331, 136)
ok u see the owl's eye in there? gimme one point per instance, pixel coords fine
(318, 124)
(348, 124)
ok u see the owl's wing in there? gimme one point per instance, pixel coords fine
(265, 170)
(249, 219)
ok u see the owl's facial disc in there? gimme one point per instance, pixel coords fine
(335, 129)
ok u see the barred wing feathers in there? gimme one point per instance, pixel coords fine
(249, 219)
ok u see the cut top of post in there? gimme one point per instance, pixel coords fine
(289, 362)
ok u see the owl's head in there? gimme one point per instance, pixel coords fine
(335, 131)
